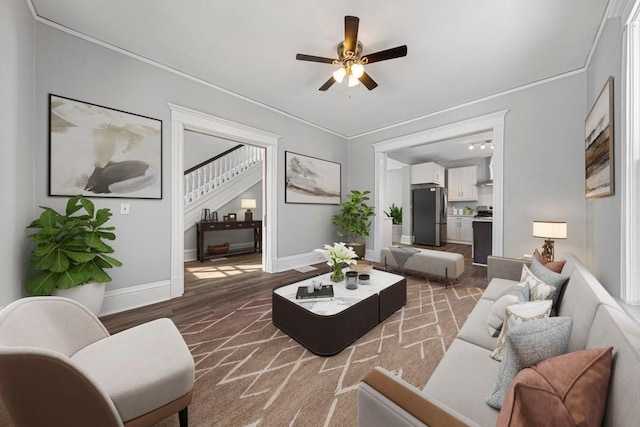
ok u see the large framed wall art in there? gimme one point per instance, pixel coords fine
(101, 152)
(311, 180)
(599, 162)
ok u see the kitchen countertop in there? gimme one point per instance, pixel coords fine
(461, 216)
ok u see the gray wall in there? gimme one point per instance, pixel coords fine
(17, 38)
(543, 165)
(75, 68)
(199, 148)
(604, 214)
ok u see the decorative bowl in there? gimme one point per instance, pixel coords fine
(361, 267)
(218, 249)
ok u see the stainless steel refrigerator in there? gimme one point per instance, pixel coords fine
(429, 215)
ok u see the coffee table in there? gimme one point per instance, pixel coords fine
(326, 327)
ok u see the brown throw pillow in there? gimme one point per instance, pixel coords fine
(555, 266)
(570, 390)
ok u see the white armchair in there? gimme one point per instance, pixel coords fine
(60, 367)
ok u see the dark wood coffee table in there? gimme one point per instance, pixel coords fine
(327, 327)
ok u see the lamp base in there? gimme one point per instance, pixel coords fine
(248, 215)
(547, 250)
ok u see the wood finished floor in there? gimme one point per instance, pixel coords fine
(216, 285)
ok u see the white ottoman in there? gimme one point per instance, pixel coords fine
(436, 263)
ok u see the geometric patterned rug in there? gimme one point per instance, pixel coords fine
(250, 373)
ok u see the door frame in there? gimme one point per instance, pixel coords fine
(491, 122)
(182, 119)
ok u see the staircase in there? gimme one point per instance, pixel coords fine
(216, 182)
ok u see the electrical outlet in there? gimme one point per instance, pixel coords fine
(125, 209)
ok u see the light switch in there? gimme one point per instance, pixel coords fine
(125, 209)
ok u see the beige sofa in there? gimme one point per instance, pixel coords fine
(456, 392)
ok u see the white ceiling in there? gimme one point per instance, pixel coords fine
(458, 51)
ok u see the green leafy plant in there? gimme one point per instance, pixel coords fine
(70, 247)
(353, 219)
(395, 213)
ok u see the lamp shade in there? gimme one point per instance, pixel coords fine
(550, 229)
(248, 203)
(339, 74)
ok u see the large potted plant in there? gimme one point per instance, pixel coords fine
(395, 213)
(71, 254)
(353, 220)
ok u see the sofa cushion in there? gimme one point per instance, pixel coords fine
(518, 314)
(495, 318)
(583, 293)
(462, 379)
(570, 389)
(474, 329)
(528, 344)
(555, 266)
(538, 288)
(496, 287)
(551, 278)
(612, 327)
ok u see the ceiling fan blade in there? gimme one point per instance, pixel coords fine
(367, 81)
(383, 55)
(327, 84)
(303, 57)
(351, 33)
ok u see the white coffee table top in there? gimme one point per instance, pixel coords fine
(343, 297)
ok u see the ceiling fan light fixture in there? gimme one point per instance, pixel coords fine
(471, 147)
(357, 70)
(339, 74)
(353, 80)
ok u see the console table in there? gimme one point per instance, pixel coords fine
(204, 227)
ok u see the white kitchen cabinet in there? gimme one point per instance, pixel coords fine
(461, 184)
(460, 229)
(427, 173)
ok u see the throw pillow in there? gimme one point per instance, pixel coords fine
(538, 289)
(495, 318)
(517, 314)
(528, 344)
(570, 389)
(555, 266)
(549, 277)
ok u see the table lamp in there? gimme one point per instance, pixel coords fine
(549, 230)
(248, 204)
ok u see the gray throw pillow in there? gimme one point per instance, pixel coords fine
(550, 278)
(528, 344)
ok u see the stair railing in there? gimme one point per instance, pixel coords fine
(211, 174)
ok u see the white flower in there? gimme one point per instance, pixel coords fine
(339, 253)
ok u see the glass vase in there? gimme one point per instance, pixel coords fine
(337, 275)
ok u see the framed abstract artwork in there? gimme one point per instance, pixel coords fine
(599, 145)
(101, 152)
(311, 180)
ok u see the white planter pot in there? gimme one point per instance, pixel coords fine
(90, 295)
(396, 233)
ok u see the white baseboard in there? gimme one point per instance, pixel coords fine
(190, 255)
(407, 239)
(119, 300)
(295, 261)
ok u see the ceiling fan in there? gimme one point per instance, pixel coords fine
(351, 60)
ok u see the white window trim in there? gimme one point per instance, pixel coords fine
(630, 162)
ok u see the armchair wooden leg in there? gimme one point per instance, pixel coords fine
(183, 416)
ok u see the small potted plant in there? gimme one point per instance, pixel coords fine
(395, 213)
(70, 252)
(353, 220)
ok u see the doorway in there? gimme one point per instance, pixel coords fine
(493, 123)
(186, 119)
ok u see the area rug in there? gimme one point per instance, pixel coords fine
(250, 373)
